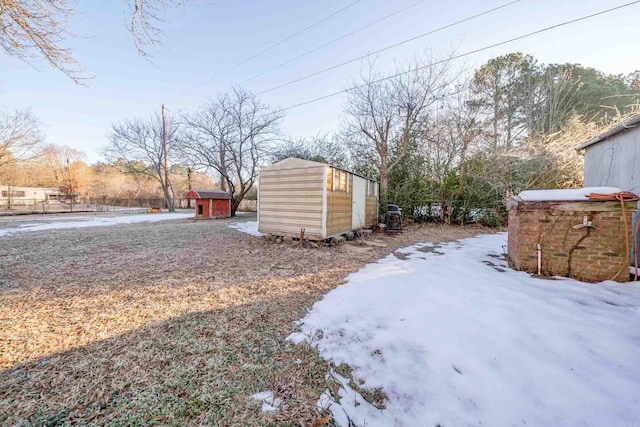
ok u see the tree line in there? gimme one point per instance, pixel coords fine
(444, 143)
(453, 146)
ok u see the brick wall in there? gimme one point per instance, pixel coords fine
(590, 255)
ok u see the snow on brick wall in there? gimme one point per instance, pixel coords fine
(590, 255)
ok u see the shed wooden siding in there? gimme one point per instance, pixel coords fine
(371, 211)
(339, 209)
(291, 199)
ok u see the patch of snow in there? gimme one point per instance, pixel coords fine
(270, 403)
(297, 338)
(326, 402)
(249, 227)
(455, 337)
(95, 222)
(41, 218)
(572, 195)
(123, 208)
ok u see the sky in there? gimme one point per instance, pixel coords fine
(204, 38)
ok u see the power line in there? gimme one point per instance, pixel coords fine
(342, 64)
(471, 52)
(322, 46)
(233, 67)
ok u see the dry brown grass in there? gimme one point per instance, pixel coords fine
(173, 323)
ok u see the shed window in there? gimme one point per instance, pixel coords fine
(340, 180)
(200, 210)
(372, 188)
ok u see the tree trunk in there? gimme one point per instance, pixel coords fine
(189, 186)
(235, 203)
(384, 185)
(223, 168)
(495, 125)
(168, 199)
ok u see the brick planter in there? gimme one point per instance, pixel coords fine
(588, 254)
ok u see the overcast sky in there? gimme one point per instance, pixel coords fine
(205, 38)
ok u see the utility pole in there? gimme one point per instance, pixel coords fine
(189, 185)
(164, 146)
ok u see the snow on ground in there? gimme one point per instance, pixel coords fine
(270, 403)
(85, 222)
(55, 217)
(249, 227)
(456, 338)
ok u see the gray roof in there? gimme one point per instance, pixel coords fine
(207, 194)
(629, 124)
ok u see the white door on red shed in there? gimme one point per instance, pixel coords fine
(358, 202)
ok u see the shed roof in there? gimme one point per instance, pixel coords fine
(294, 162)
(624, 126)
(207, 194)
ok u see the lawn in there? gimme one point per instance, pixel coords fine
(167, 323)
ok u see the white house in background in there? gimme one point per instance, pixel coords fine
(612, 159)
(26, 196)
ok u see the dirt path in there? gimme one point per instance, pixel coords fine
(172, 322)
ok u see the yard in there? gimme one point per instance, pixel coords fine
(166, 323)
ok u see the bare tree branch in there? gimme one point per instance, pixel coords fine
(31, 30)
(382, 114)
(232, 135)
(20, 136)
(139, 144)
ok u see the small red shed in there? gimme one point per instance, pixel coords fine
(211, 203)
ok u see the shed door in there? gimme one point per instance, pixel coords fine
(358, 219)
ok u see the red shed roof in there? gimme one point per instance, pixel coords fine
(207, 194)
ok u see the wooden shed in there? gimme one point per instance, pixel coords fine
(324, 200)
(211, 203)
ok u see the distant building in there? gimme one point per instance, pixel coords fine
(11, 196)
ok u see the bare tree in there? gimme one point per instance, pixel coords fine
(382, 113)
(20, 136)
(60, 167)
(560, 88)
(36, 29)
(321, 148)
(465, 122)
(138, 144)
(55, 162)
(208, 131)
(232, 135)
